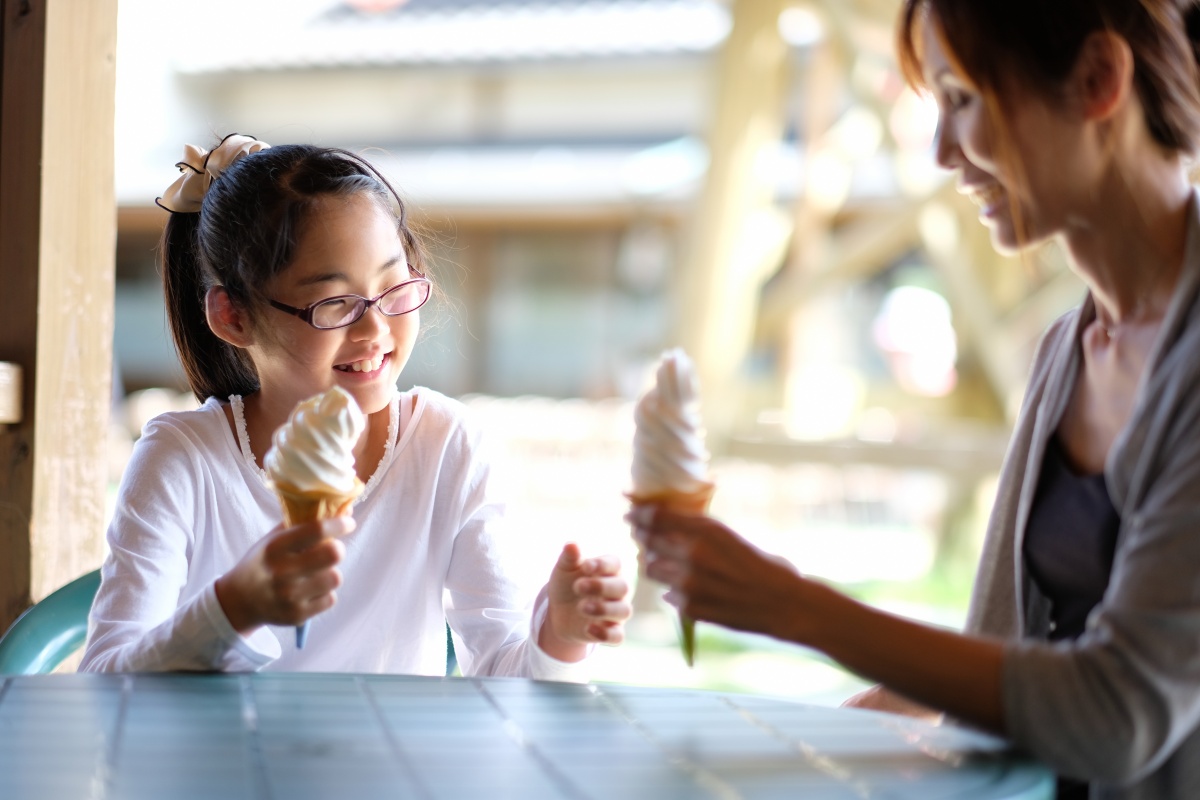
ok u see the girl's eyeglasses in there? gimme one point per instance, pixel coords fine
(347, 309)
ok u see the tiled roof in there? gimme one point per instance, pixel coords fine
(472, 31)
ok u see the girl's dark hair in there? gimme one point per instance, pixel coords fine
(244, 235)
(1037, 42)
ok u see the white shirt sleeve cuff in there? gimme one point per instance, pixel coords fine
(240, 653)
(542, 665)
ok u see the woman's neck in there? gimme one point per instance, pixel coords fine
(1129, 246)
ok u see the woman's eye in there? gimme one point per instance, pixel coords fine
(956, 100)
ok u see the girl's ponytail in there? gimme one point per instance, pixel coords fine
(213, 367)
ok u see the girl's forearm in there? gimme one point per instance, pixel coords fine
(958, 674)
(557, 647)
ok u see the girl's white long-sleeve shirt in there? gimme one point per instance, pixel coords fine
(430, 547)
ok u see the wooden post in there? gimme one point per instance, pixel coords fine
(724, 264)
(57, 241)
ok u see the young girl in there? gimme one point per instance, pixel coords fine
(289, 270)
(1070, 120)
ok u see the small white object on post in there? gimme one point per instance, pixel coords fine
(10, 393)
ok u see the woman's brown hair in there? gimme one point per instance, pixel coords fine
(1037, 42)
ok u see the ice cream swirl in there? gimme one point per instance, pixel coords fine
(668, 443)
(312, 451)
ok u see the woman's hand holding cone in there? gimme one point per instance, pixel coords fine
(715, 575)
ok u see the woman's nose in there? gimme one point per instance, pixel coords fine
(946, 149)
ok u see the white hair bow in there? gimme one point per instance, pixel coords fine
(201, 167)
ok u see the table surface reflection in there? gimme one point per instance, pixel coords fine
(296, 736)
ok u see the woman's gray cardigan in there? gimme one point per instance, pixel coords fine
(1120, 706)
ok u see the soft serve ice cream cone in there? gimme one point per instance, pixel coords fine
(670, 461)
(311, 461)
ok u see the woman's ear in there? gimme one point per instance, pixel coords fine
(229, 322)
(1103, 75)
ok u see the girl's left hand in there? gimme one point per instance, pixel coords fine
(588, 604)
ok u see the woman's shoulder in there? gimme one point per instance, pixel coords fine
(1055, 341)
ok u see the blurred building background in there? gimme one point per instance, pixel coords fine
(599, 180)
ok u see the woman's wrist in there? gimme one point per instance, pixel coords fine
(813, 609)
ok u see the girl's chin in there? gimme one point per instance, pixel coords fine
(374, 398)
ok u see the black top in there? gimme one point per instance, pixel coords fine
(1069, 546)
(1070, 540)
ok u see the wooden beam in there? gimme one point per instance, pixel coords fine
(57, 242)
(719, 281)
(855, 253)
(24, 29)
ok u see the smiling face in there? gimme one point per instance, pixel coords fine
(346, 246)
(1026, 177)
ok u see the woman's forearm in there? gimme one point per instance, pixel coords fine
(939, 668)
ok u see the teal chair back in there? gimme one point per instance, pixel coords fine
(48, 632)
(51, 630)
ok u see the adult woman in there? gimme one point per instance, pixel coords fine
(1067, 120)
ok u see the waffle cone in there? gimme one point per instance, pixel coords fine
(687, 502)
(301, 506)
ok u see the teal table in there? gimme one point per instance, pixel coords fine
(297, 736)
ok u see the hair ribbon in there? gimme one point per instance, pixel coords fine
(201, 167)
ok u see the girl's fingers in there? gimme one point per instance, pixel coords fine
(569, 558)
(606, 634)
(322, 555)
(605, 565)
(318, 605)
(605, 588)
(297, 539)
(301, 588)
(616, 611)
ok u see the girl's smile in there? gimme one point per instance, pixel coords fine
(367, 368)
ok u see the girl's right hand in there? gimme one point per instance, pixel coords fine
(287, 577)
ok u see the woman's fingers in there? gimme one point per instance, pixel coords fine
(668, 570)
